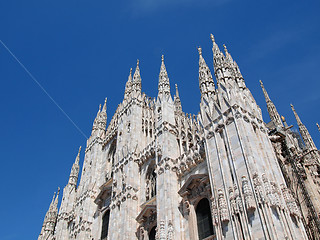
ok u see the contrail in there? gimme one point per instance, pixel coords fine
(42, 88)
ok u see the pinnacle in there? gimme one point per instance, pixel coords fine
(212, 37)
(130, 75)
(57, 198)
(163, 85)
(200, 51)
(136, 75)
(104, 109)
(78, 156)
(296, 115)
(225, 48)
(264, 92)
(163, 67)
(177, 92)
(163, 70)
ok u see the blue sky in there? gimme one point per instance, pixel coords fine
(81, 52)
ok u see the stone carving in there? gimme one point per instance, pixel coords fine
(191, 157)
(162, 231)
(214, 212)
(223, 209)
(248, 195)
(290, 201)
(170, 235)
(258, 188)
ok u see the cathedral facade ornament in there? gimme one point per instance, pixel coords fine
(156, 172)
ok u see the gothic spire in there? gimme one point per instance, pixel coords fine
(73, 179)
(296, 116)
(51, 204)
(177, 92)
(304, 132)
(218, 57)
(50, 218)
(177, 102)
(104, 108)
(228, 55)
(238, 75)
(273, 113)
(136, 83)
(128, 88)
(164, 84)
(100, 122)
(206, 83)
(56, 201)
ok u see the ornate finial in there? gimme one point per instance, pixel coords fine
(58, 191)
(200, 50)
(318, 127)
(162, 58)
(212, 37)
(137, 62)
(130, 71)
(99, 107)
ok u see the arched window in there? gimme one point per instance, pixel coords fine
(204, 220)
(151, 182)
(152, 234)
(105, 225)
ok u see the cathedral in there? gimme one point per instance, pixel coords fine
(156, 172)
